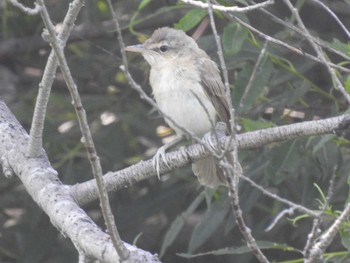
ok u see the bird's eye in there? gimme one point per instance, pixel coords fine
(163, 48)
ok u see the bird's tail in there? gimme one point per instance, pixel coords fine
(208, 173)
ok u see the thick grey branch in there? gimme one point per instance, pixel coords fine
(41, 182)
(86, 192)
(85, 130)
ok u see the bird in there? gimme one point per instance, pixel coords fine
(187, 86)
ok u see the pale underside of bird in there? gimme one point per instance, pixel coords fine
(187, 87)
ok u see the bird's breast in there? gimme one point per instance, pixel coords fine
(180, 95)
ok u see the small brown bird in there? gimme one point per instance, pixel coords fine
(188, 88)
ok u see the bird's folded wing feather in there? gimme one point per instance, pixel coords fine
(215, 89)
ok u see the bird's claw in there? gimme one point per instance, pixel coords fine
(210, 141)
(160, 155)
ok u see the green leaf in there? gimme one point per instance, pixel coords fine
(340, 46)
(260, 82)
(322, 143)
(211, 221)
(325, 155)
(191, 19)
(233, 38)
(253, 125)
(102, 6)
(345, 237)
(178, 223)
(324, 199)
(241, 83)
(136, 239)
(143, 4)
(284, 162)
(243, 2)
(241, 250)
(298, 218)
(347, 84)
(172, 233)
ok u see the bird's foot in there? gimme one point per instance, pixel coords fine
(160, 155)
(209, 140)
(212, 140)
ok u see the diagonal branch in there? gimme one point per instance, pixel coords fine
(229, 8)
(87, 137)
(295, 50)
(233, 170)
(86, 192)
(320, 54)
(37, 127)
(27, 10)
(327, 238)
(41, 182)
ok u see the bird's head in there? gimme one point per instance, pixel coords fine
(164, 45)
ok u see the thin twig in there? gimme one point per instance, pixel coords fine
(27, 10)
(256, 69)
(216, 151)
(229, 8)
(227, 89)
(290, 211)
(315, 231)
(331, 184)
(222, 61)
(233, 171)
(300, 208)
(232, 178)
(327, 238)
(320, 54)
(222, 65)
(290, 47)
(93, 157)
(37, 126)
(300, 32)
(312, 236)
(335, 17)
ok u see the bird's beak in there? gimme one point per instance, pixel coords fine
(136, 48)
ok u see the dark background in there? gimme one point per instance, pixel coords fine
(145, 212)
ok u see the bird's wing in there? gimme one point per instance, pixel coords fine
(215, 89)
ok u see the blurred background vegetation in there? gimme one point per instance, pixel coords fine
(176, 217)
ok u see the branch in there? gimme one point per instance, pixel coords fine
(224, 72)
(327, 238)
(315, 232)
(295, 50)
(256, 69)
(229, 8)
(37, 127)
(87, 137)
(230, 166)
(319, 52)
(300, 32)
(42, 184)
(27, 10)
(335, 17)
(86, 192)
(232, 177)
(293, 206)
